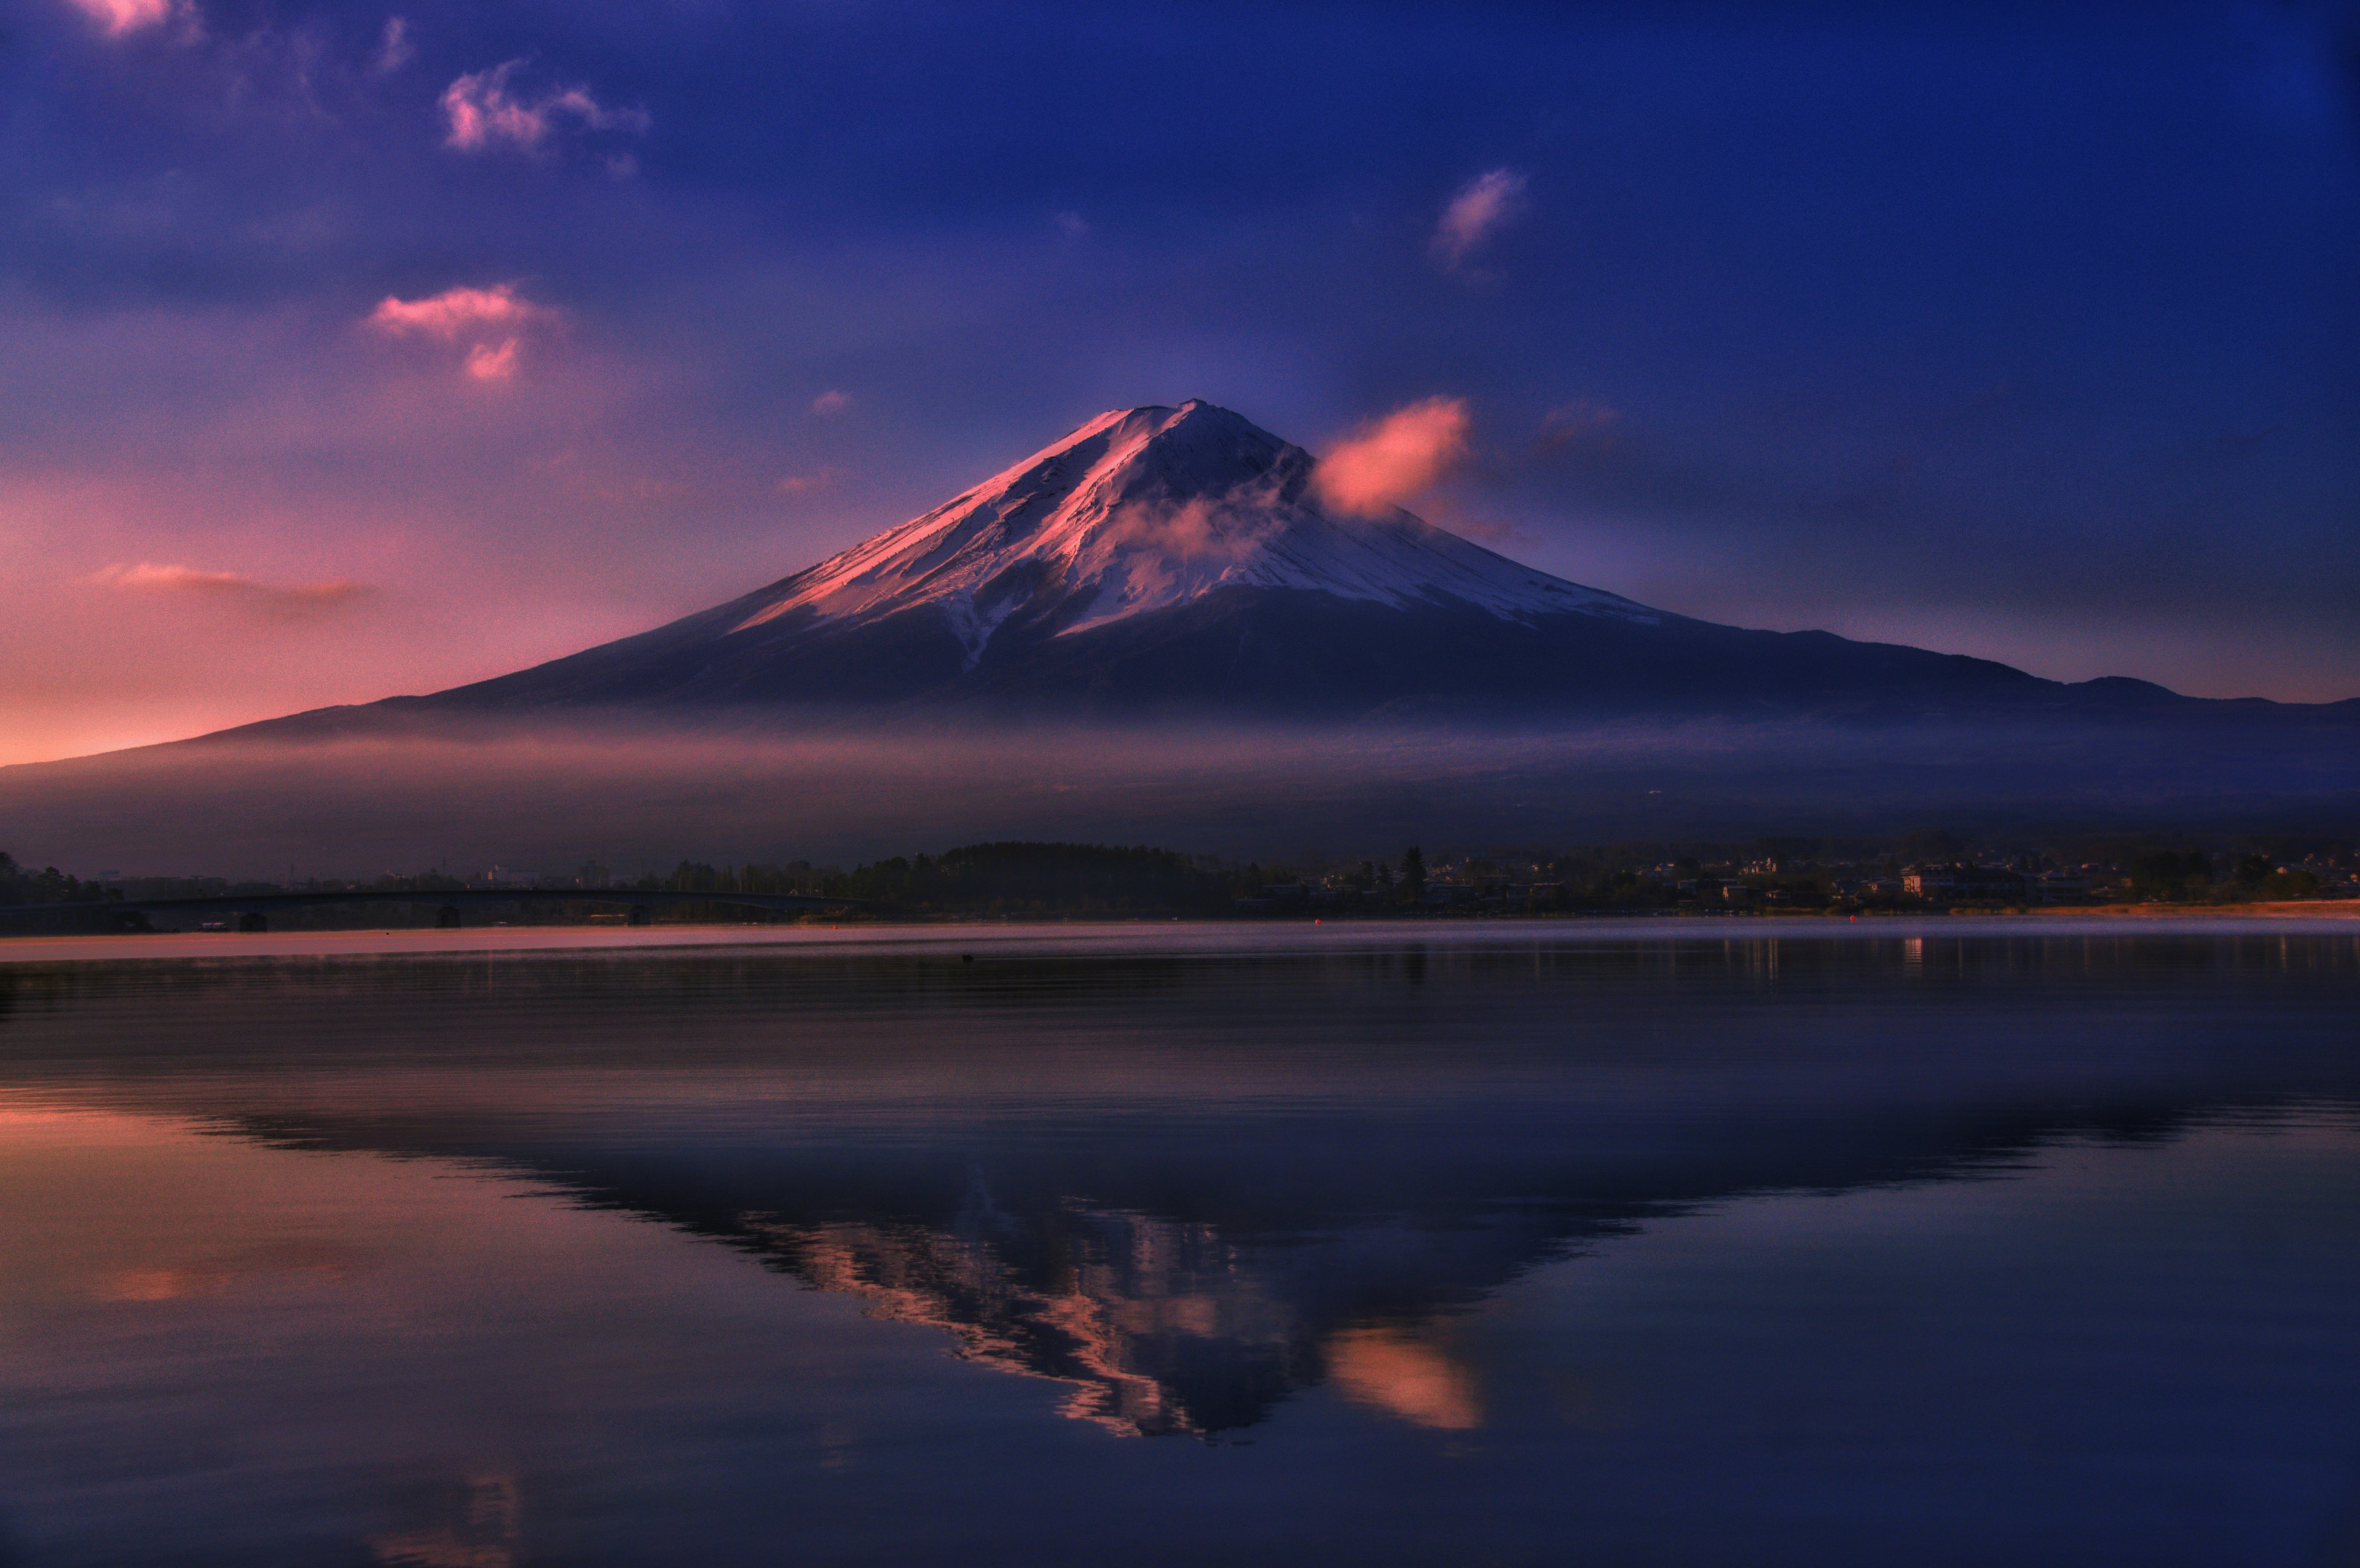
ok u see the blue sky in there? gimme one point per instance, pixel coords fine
(2031, 331)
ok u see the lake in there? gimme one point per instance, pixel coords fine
(1694, 1242)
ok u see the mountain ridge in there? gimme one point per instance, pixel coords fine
(1169, 560)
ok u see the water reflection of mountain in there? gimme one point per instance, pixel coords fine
(1159, 1327)
(1186, 1190)
(1167, 1312)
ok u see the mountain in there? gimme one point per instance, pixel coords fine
(1161, 562)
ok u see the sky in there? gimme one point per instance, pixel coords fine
(348, 350)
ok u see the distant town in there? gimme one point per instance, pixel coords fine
(1925, 872)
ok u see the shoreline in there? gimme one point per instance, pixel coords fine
(1197, 937)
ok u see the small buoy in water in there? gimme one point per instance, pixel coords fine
(966, 958)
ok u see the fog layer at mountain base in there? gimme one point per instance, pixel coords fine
(631, 795)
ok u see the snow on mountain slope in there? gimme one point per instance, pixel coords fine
(1177, 563)
(1147, 508)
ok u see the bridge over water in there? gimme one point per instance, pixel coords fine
(252, 912)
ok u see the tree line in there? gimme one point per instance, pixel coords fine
(1025, 877)
(23, 885)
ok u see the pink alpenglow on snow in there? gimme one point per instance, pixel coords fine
(1143, 510)
(1386, 464)
(481, 110)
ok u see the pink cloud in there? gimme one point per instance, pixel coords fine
(1487, 204)
(1401, 454)
(394, 49)
(831, 402)
(485, 363)
(1592, 426)
(455, 312)
(188, 582)
(482, 109)
(171, 579)
(489, 321)
(804, 483)
(120, 16)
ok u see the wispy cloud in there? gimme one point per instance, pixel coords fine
(455, 312)
(395, 49)
(483, 109)
(490, 321)
(804, 483)
(1487, 204)
(1581, 424)
(120, 16)
(290, 599)
(831, 402)
(1388, 461)
(492, 362)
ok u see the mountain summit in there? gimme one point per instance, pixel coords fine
(1179, 560)
(1144, 510)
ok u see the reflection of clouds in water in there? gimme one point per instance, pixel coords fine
(575, 1267)
(1162, 1327)
(157, 1262)
(483, 1530)
(1389, 1369)
(295, 1264)
(159, 1284)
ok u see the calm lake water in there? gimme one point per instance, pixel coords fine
(1535, 1245)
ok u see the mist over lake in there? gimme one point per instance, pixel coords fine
(809, 787)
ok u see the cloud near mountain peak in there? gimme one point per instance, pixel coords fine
(1386, 464)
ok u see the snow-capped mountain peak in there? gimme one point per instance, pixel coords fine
(1179, 564)
(1149, 508)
